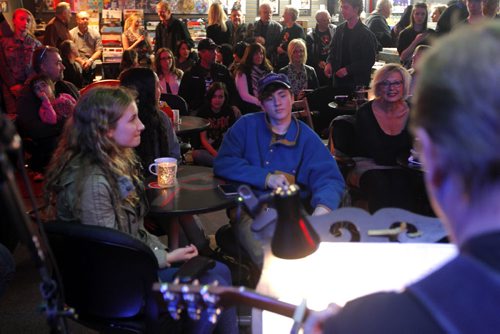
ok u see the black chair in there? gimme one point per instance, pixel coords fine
(107, 277)
(176, 102)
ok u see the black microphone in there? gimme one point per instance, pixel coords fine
(253, 203)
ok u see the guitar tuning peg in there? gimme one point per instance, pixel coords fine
(196, 282)
(175, 305)
(176, 280)
(213, 313)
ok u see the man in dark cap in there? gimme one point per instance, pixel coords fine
(271, 149)
(196, 81)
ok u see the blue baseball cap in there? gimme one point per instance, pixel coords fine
(273, 78)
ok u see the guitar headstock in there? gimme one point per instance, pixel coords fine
(194, 299)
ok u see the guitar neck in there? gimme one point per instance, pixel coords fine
(230, 296)
(242, 296)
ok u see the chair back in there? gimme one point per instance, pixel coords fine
(176, 102)
(105, 273)
(300, 109)
(342, 136)
(100, 83)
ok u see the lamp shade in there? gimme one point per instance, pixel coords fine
(294, 237)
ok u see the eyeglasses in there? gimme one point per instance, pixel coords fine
(391, 84)
(40, 58)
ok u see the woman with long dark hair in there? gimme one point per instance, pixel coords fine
(185, 58)
(253, 67)
(159, 139)
(218, 111)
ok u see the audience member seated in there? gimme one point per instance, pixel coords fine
(196, 81)
(238, 53)
(53, 109)
(217, 29)
(16, 53)
(159, 138)
(455, 13)
(271, 149)
(318, 45)
(185, 58)
(217, 110)
(463, 183)
(72, 69)
(382, 137)
(404, 22)
(89, 45)
(44, 137)
(254, 66)
(169, 76)
(377, 22)
(490, 9)
(95, 179)
(415, 64)
(415, 34)
(224, 54)
(436, 13)
(136, 38)
(301, 76)
(475, 9)
(291, 30)
(130, 59)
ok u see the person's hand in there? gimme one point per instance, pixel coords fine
(328, 70)
(87, 64)
(260, 39)
(276, 180)
(341, 72)
(280, 50)
(16, 90)
(236, 112)
(300, 95)
(182, 254)
(320, 210)
(322, 64)
(315, 320)
(420, 37)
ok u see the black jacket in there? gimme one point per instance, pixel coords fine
(362, 49)
(193, 88)
(168, 36)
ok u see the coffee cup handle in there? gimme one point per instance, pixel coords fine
(151, 167)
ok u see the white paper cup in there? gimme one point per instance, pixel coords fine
(176, 117)
(166, 170)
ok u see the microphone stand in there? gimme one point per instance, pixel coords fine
(33, 238)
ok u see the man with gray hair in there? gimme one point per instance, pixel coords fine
(57, 30)
(267, 31)
(377, 22)
(89, 45)
(318, 44)
(290, 32)
(463, 181)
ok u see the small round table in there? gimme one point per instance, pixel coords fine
(195, 192)
(190, 125)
